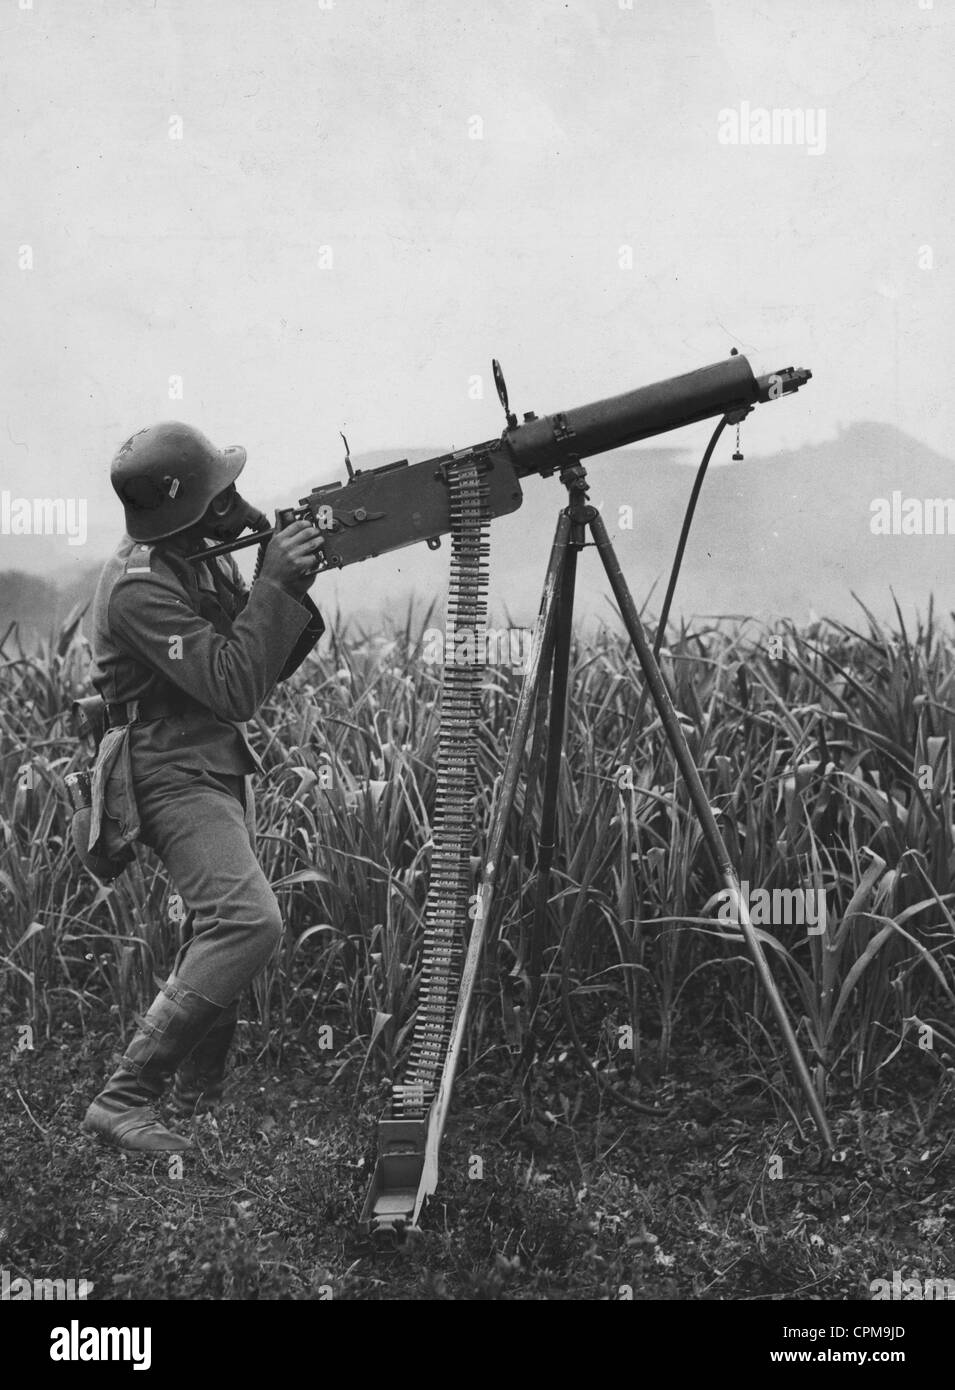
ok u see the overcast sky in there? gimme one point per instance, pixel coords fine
(348, 125)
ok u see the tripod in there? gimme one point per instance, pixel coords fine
(548, 664)
(407, 1170)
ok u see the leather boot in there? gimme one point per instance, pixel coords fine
(124, 1111)
(197, 1088)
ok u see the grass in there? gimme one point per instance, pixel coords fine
(827, 752)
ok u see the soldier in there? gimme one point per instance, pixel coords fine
(183, 655)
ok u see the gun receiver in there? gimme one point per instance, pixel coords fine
(399, 504)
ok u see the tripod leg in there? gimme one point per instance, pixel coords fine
(555, 748)
(537, 749)
(671, 724)
(503, 804)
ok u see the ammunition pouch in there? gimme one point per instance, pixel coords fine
(89, 717)
(79, 786)
(105, 820)
(89, 724)
(114, 815)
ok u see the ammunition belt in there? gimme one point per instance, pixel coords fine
(449, 890)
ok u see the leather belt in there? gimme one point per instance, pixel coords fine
(120, 712)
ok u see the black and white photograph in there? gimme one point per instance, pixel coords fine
(477, 669)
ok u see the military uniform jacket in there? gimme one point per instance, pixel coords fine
(197, 649)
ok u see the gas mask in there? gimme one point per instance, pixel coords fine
(228, 515)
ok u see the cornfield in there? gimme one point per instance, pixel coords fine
(826, 751)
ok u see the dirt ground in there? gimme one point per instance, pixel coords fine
(568, 1196)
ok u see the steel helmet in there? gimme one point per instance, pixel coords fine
(166, 476)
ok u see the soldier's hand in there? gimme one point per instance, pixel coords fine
(292, 557)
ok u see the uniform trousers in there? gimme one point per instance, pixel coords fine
(202, 825)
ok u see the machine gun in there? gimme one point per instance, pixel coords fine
(399, 504)
(382, 509)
